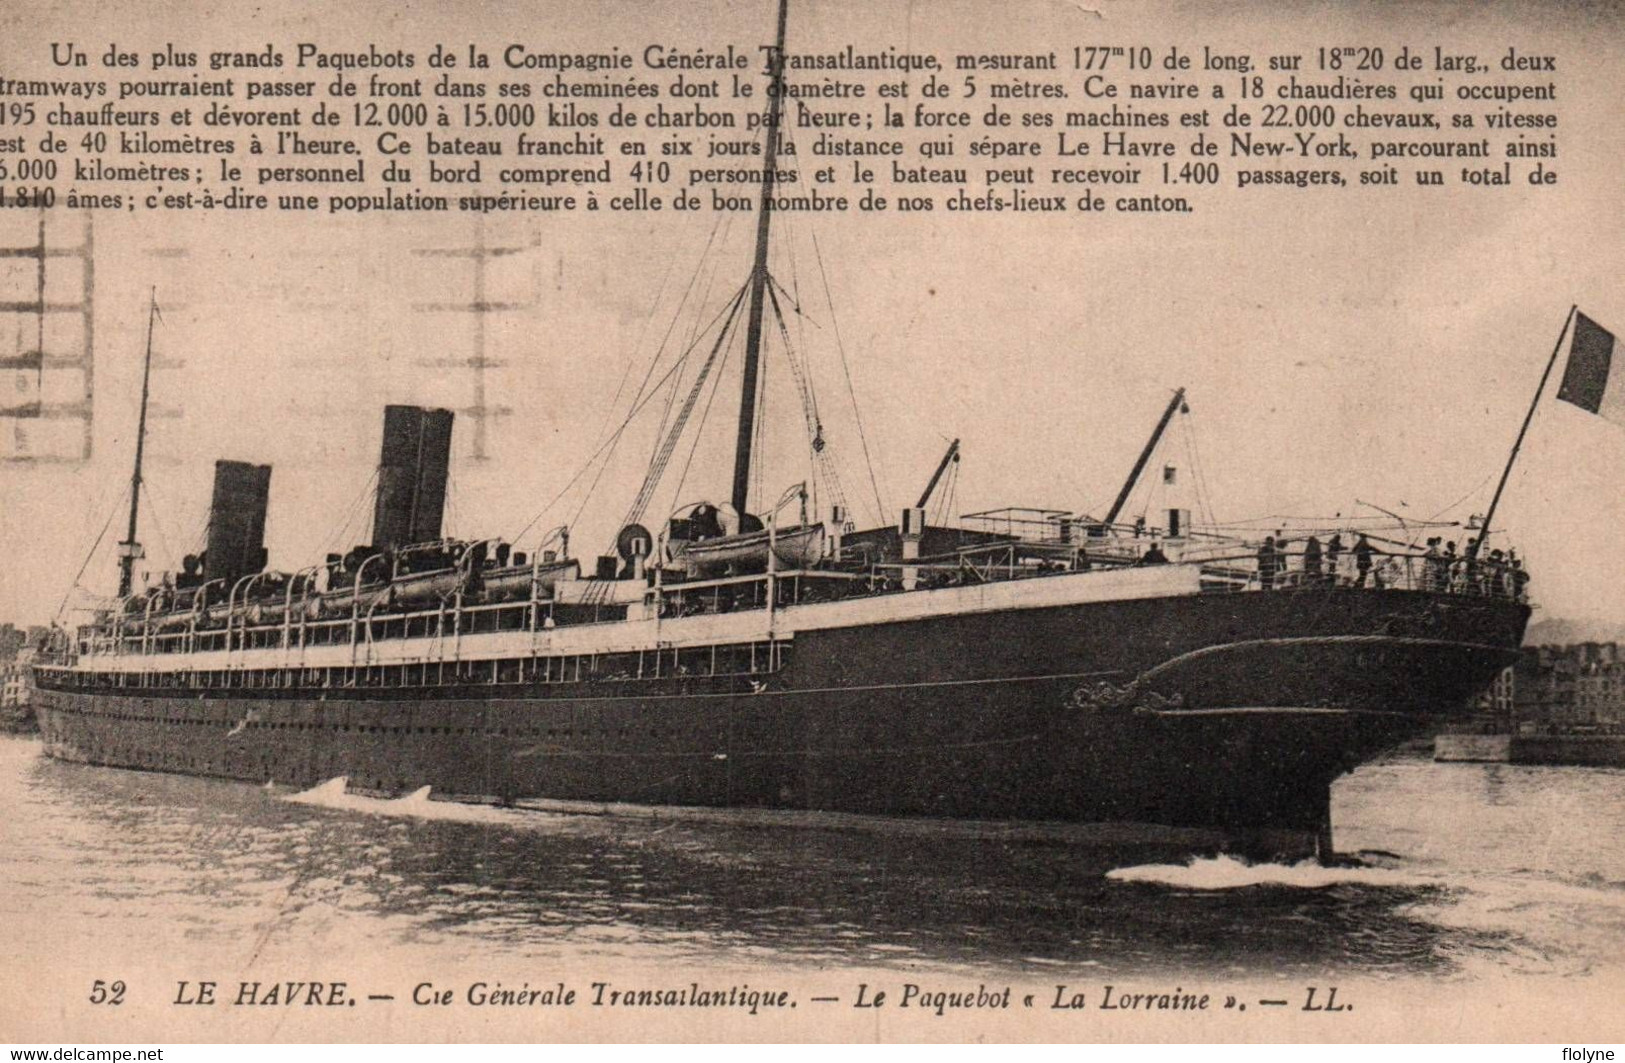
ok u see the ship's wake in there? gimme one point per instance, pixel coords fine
(1229, 873)
(419, 804)
(323, 794)
(1519, 920)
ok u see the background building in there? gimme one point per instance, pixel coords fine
(17, 649)
(1578, 688)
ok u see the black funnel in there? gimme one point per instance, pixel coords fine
(412, 469)
(237, 521)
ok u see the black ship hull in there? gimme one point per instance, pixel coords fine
(1227, 711)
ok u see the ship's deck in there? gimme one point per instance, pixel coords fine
(729, 625)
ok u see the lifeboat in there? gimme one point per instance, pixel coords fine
(799, 546)
(514, 583)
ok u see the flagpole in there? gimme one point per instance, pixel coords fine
(1484, 531)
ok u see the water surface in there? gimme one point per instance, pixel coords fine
(1483, 869)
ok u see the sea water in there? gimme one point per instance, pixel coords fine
(1462, 871)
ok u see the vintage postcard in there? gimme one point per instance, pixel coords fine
(808, 520)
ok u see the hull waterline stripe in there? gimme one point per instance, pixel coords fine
(1323, 640)
(845, 751)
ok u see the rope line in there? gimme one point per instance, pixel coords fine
(846, 368)
(609, 443)
(662, 459)
(73, 586)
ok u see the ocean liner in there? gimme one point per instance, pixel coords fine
(1023, 664)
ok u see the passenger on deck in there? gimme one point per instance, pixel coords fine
(1154, 555)
(1432, 567)
(1311, 561)
(1334, 554)
(1266, 563)
(1472, 568)
(1362, 560)
(1455, 569)
(1520, 581)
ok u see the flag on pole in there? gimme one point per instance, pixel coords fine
(1589, 380)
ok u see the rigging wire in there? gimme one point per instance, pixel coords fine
(1475, 489)
(820, 462)
(157, 526)
(664, 423)
(154, 505)
(673, 386)
(694, 447)
(336, 538)
(826, 462)
(671, 431)
(643, 332)
(1266, 523)
(815, 446)
(809, 406)
(810, 393)
(609, 443)
(643, 386)
(815, 443)
(846, 368)
(695, 330)
(1198, 473)
(677, 315)
(77, 576)
(668, 445)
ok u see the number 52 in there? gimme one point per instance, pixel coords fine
(110, 993)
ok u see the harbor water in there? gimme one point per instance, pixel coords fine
(1466, 872)
(1466, 866)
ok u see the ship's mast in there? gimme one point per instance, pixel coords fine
(758, 279)
(1145, 455)
(129, 549)
(1484, 529)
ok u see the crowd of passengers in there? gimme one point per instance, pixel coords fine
(1284, 562)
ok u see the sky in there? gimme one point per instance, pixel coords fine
(1340, 351)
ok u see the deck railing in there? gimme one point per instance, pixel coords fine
(1385, 570)
(1226, 566)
